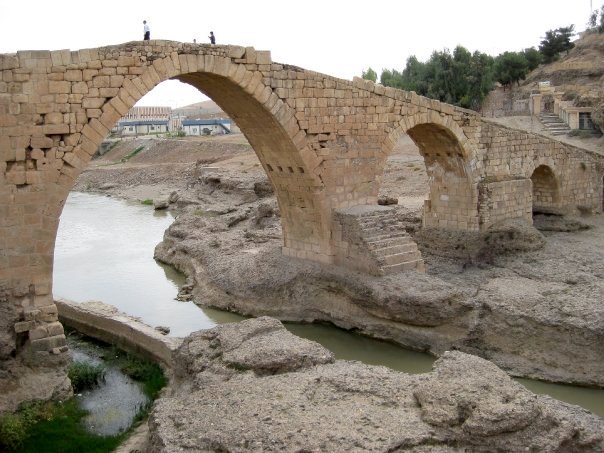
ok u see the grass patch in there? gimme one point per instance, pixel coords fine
(133, 153)
(54, 427)
(148, 373)
(51, 427)
(85, 375)
(148, 202)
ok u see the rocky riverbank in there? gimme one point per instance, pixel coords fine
(531, 304)
(256, 387)
(253, 386)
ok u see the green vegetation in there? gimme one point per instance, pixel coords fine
(370, 74)
(85, 375)
(58, 426)
(113, 145)
(51, 427)
(147, 201)
(596, 21)
(132, 153)
(555, 42)
(463, 78)
(148, 373)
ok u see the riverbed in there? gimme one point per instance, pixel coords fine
(104, 251)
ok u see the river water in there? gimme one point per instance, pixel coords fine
(104, 251)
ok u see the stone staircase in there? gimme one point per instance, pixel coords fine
(553, 124)
(380, 239)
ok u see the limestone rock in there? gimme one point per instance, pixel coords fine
(252, 386)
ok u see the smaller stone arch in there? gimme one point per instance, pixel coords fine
(546, 190)
(452, 199)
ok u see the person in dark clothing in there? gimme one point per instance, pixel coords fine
(212, 38)
(147, 31)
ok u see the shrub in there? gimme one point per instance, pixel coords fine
(12, 432)
(149, 373)
(85, 375)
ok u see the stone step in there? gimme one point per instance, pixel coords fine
(398, 258)
(387, 242)
(375, 231)
(394, 249)
(401, 267)
(384, 221)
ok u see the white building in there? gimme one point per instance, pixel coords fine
(207, 127)
(143, 127)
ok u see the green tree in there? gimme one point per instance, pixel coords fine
(555, 42)
(510, 67)
(370, 74)
(533, 57)
(460, 78)
(596, 21)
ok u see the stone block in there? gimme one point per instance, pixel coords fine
(24, 326)
(235, 51)
(55, 328)
(48, 343)
(250, 55)
(263, 57)
(38, 332)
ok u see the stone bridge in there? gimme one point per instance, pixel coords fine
(322, 141)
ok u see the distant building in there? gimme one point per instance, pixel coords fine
(190, 120)
(148, 113)
(215, 126)
(144, 120)
(143, 127)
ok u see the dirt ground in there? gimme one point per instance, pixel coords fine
(166, 165)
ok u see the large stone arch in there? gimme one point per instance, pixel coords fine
(268, 123)
(69, 103)
(452, 197)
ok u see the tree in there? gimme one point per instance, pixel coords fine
(510, 67)
(533, 57)
(555, 42)
(370, 74)
(595, 24)
(460, 78)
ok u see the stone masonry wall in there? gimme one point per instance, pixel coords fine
(507, 153)
(323, 142)
(503, 200)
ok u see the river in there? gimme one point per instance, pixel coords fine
(104, 251)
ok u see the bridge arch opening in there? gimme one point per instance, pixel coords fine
(546, 191)
(450, 202)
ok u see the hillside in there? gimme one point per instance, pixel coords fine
(578, 74)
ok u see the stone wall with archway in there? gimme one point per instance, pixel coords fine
(546, 190)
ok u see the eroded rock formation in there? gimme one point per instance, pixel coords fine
(253, 386)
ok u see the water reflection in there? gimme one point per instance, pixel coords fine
(350, 346)
(589, 398)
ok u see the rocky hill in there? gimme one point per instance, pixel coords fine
(579, 74)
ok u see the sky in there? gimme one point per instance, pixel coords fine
(335, 37)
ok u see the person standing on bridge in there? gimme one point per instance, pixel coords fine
(147, 31)
(212, 38)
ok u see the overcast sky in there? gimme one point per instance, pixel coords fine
(335, 37)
